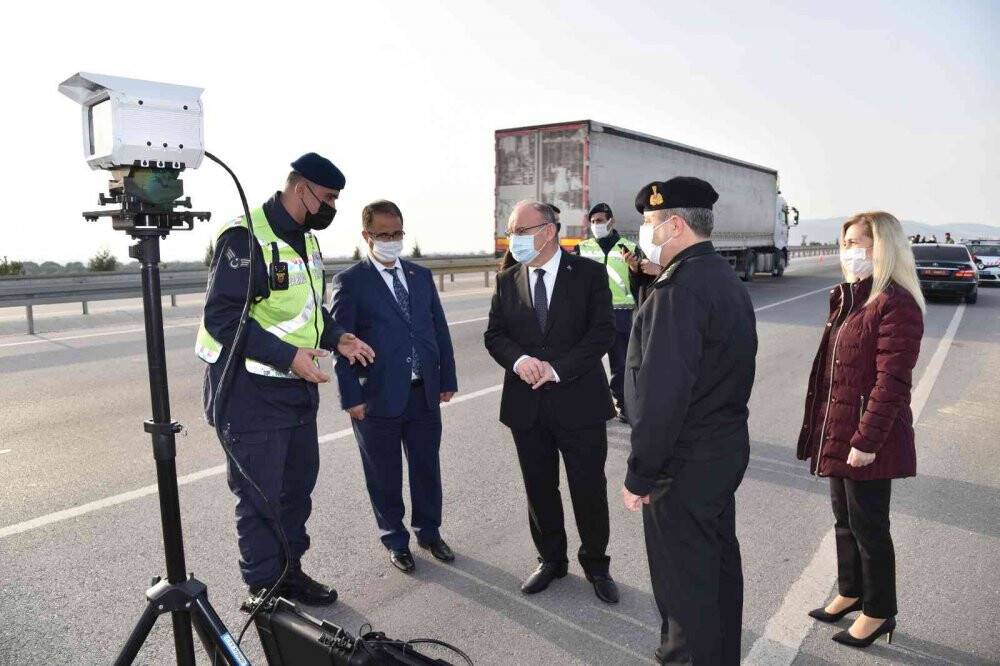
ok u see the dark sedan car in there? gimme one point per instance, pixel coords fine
(946, 270)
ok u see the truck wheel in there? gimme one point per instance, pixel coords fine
(779, 264)
(749, 266)
(972, 298)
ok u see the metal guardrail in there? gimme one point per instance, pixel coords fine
(28, 292)
(83, 288)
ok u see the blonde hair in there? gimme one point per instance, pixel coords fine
(892, 255)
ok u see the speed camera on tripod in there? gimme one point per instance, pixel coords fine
(130, 122)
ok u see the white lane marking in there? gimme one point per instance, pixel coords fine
(519, 599)
(467, 321)
(794, 298)
(140, 330)
(786, 629)
(90, 507)
(93, 335)
(923, 390)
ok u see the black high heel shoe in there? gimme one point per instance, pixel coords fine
(845, 638)
(821, 614)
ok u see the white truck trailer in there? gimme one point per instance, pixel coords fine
(575, 165)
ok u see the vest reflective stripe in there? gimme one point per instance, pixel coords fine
(292, 315)
(617, 268)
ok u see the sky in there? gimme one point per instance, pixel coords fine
(858, 105)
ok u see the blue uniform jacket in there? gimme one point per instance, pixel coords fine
(364, 305)
(256, 402)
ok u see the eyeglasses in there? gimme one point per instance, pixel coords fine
(389, 237)
(517, 232)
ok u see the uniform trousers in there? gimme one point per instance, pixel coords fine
(284, 463)
(584, 452)
(866, 560)
(618, 352)
(694, 559)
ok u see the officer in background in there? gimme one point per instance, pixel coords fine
(270, 410)
(690, 371)
(608, 247)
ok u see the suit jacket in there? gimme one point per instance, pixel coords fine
(364, 305)
(579, 331)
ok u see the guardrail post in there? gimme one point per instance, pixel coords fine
(440, 281)
(31, 319)
(85, 310)
(173, 300)
(486, 278)
(452, 277)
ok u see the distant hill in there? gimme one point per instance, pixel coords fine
(828, 230)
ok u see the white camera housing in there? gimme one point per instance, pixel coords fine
(131, 122)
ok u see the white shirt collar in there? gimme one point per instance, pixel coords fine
(382, 267)
(551, 267)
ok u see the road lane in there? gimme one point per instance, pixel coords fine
(85, 568)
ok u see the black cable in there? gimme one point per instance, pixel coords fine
(449, 646)
(221, 395)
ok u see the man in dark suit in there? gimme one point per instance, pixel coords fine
(690, 367)
(550, 324)
(394, 403)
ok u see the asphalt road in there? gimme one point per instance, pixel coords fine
(80, 534)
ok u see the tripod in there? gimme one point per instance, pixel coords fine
(147, 198)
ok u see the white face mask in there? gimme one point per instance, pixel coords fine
(600, 229)
(646, 244)
(387, 251)
(856, 262)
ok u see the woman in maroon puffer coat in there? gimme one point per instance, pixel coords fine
(858, 427)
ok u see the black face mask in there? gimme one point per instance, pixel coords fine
(322, 218)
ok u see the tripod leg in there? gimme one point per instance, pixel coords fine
(214, 634)
(138, 636)
(183, 641)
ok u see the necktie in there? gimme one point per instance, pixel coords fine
(403, 299)
(541, 298)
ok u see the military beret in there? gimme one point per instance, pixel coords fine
(317, 169)
(679, 192)
(600, 208)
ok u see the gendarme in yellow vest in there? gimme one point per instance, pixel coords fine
(621, 295)
(293, 314)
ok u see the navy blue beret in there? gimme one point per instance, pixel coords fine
(317, 169)
(600, 208)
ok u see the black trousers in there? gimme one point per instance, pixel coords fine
(584, 451)
(617, 354)
(866, 560)
(694, 559)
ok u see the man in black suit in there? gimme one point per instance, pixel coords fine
(550, 324)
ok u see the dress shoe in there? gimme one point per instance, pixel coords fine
(403, 560)
(543, 575)
(440, 550)
(604, 587)
(299, 586)
(845, 638)
(821, 614)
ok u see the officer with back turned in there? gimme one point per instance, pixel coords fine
(269, 417)
(615, 252)
(689, 373)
